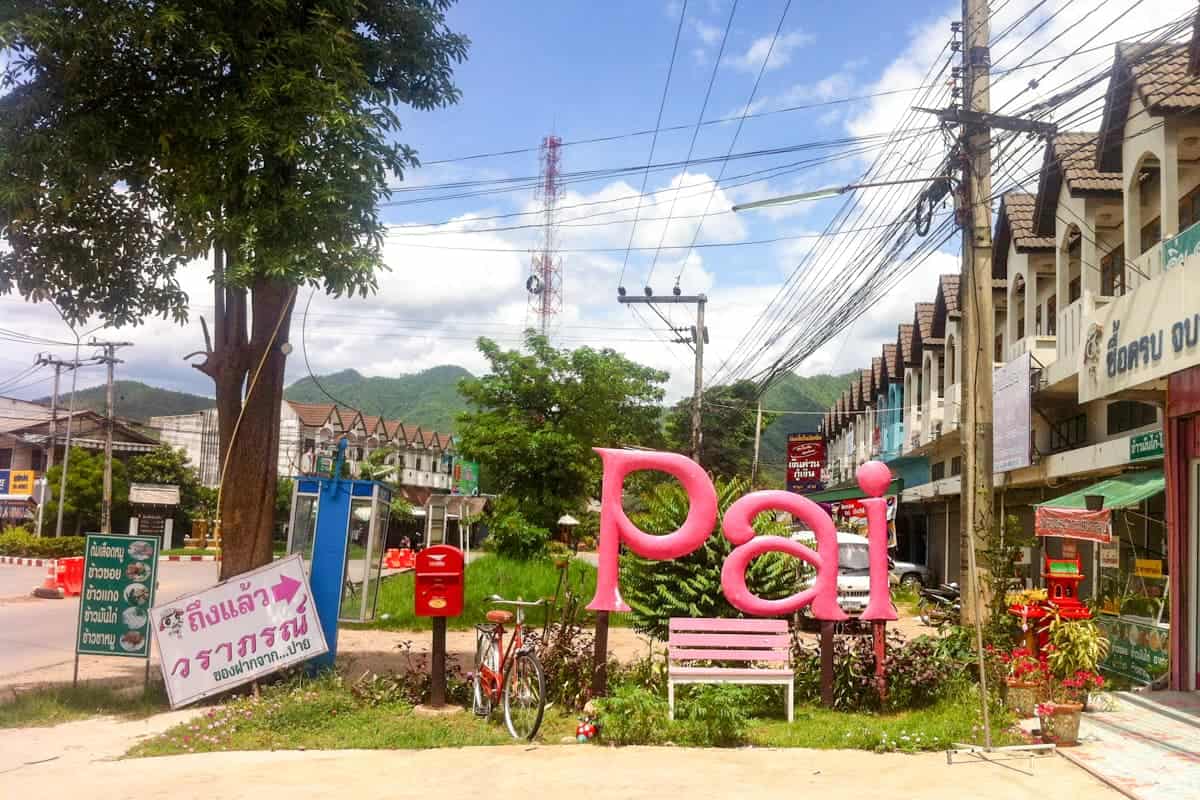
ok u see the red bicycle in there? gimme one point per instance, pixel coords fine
(512, 676)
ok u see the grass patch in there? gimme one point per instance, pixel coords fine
(56, 704)
(189, 551)
(485, 576)
(938, 727)
(324, 714)
(906, 599)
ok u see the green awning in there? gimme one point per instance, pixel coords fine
(851, 492)
(1122, 491)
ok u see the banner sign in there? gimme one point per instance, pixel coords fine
(853, 514)
(1110, 556)
(1136, 650)
(252, 625)
(1074, 523)
(466, 478)
(1013, 415)
(119, 574)
(1144, 335)
(805, 461)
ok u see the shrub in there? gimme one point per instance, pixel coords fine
(691, 586)
(714, 716)
(412, 684)
(918, 673)
(633, 715)
(513, 536)
(20, 542)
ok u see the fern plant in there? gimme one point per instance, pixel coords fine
(691, 586)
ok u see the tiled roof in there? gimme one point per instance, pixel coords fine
(891, 360)
(923, 319)
(371, 423)
(905, 340)
(1076, 152)
(1160, 73)
(865, 387)
(948, 285)
(877, 373)
(1019, 209)
(312, 415)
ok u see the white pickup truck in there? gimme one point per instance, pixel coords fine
(854, 573)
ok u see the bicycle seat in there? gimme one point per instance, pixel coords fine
(496, 615)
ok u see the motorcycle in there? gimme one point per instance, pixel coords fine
(940, 606)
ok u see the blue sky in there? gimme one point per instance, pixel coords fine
(586, 69)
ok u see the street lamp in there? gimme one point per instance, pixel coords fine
(829, 191)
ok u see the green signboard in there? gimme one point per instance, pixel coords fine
(466, 478)
(1176, 249)
(1146, 445)
(119, 575)
(1137, 650)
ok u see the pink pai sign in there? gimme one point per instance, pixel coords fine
(616, 528)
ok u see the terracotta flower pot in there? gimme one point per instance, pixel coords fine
(1022, 697)
(1060, 723)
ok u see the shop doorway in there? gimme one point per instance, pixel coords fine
(1192, 550)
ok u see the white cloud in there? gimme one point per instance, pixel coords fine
(781, 54)
(709, 34)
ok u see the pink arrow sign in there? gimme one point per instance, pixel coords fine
(285, 590)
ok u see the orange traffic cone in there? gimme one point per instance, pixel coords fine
(50, 588)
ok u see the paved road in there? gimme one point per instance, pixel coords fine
(37, 636)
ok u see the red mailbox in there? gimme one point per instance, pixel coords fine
(439, 582)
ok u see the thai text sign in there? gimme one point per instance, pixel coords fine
(1142, 336)
(1136, 650)
(1013, 413)
(805, 460)
(119, 575)
(1073, 523)
(251, 625)
(1146, 445)
(21, 481)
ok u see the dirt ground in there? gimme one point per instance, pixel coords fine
(630, 773)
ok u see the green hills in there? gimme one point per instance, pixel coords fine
(136, 400)
(813, 394)
(429, 398)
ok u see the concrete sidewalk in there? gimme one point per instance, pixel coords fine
(1148, 746)
(555, 772)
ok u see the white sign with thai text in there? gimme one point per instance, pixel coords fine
(1013, 415)
(252, 625)
(1143, 336)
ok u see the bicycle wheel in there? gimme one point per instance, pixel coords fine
(524, 696)
(487, 654)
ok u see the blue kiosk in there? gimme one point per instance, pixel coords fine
(339, 527)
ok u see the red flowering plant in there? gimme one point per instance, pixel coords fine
(1075, 688)
(1024, 667)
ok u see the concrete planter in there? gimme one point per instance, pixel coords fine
(1060, 722)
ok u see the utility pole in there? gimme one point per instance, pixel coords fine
(58, 365)
(757, 443)
(110, 360)
(697, 339)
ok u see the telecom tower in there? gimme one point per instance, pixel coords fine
(545, 269)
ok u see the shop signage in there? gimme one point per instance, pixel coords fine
(21, 481)
(1136, 650)
(1073, 523)
(1146, 445)
(1176, 249)
(1142, 336)
(1069, 548)
(5, 476)
(152, 525)
(119, 575)
(805, 460)
(1013, 415)
(466, 478)
(1148, 567)
(1110, 556)
(252, 625)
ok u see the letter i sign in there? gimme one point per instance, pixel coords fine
(616, 528)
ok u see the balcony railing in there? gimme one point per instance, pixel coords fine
(1043, 348)
(932, 421)
(951, 411)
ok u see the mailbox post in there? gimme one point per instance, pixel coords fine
(438, 593)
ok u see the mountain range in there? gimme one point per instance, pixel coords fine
(430, 399)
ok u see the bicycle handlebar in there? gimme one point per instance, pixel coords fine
(500, 601)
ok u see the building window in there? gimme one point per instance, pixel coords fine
(419, 465)
(956, 465)
(37, 461)
(1125, 415)
(1074, 291)
(1151, 234)
(6, 458)
(309, 444)
(1112, 273)
(1069, 434)
(1189, 208)
(1037, 320)
(1052, 316)
(998, 355)
(938, 471)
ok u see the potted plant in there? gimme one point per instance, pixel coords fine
(1074, 654)
(1059, 721)
(1025, 682)
(1077, 687)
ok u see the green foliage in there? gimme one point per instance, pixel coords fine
(283, 502)
(727, 421)
(54, 705)
(167, 466)
(205, 507)
(715, 715)
(85, 490)
(20, 542)
(791, 392)
(537, 415)
(139, 401)
(633, 715)
(998, 558)
(513, 536)
(428, 398)
(1078, 645)
(691, 586)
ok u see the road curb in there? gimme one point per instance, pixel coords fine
(189, 558)
(20, 561)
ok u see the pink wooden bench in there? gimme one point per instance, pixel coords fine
(760, 647)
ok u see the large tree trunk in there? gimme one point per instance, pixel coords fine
(249, 449)
(248, 493)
